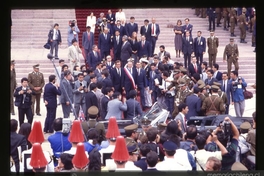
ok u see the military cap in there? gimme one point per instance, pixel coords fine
(245, 126)
(132, 127)
(162, 126)
(36, 66)
(183, 70)
(200, 82)
(169, 146)
(93, 110)
(202, 86)
(217, 84)
(176, 71)
(130, 59)
(132, 148)
(145, 122)
(144, 60)
(238, 166)
(214, 87)
(182, 82)
(12, 62)
(231, 39)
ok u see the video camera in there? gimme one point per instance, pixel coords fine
(227, 129)
(66, 126)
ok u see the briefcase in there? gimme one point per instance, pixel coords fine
(47, 46)
(247, 94)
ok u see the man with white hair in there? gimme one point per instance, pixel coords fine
(126, 50)
(104, 43)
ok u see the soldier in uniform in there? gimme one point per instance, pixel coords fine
(226, 12)
(252, 23)
(203, 12)
(197, 11)
(145, 125)
(212, 44)
(36, 82)
(203, 94)
(184, 75)
(233, 19)
(213, 105)
(221, 93)
(181, 95)
(131, 132)
(218, 12)
(13, 85)
(231, 53)
(242, 22)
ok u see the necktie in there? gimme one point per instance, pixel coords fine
(152, 28)
(95, 54)
(89, 36)
(109, 64)
(224, 87)
(138, 72)
(105, 36)
(188, 39)
(119, 71)
(143, 44)
(198, 39)
(153, 74)
(195, 68)
(146, 27)
(117, 40)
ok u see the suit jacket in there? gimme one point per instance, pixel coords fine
(134, 45)
(146, 30)
(111, 19)
(104, 44)
(93, 60)
(50, 35)
(157, 29)
(181, 118)
(107, 82)
(104, 103)
(199, 46)
(131, 28)
(121, 29)
(71, 34)
(90, 100)
(50, 95)
(98, 75)
(212, 45)
(117, 47)
(115, 108)
(218, 76)
(126, 51)
(142, 163)
(228, 89)
(187, 47)
(36, 80)
(117, 80)
(194, 104)
(79, 96)
(192, 70)
(133, 109)
(210, 82)
(19, 99)
(127, 83)
(67, 89)
(109, 67)
(187, 28)
(99, 95)
(151, 80)
(144, 50)
(71, 53)
(87, 44)
(141, 80)
(210, 12)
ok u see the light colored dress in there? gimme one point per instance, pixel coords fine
(91, 21)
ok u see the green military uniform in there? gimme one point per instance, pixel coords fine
(233, 19)
(133, 129)
(197, 11)
(185, 76)
(93, 123)
(213, 105)
(202, 95)
(36, 79)
(221, 93)
(226, 12)
(252, 23)
(231, 53)
(212, 44)
(242, 25)
(162, 127)
(203, 12)
(218, 12)
(180, 97)
(145, 125)
(13, 85)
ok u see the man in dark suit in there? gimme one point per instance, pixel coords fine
(144, 48)
(66, 94)
(226, 87)
(87, 41)
(152, 77)
(187, 48)
(108, 92)
(120, 28)
(91, 99)
(131, 27)
(217, 73)
(109, 64)
(199, 47)
(209, 80)
(93, 57)
(152, 159)
(130, 76)
(51, 91)
(110, 17)
(54, 40)
(104, 25)
(144, 149)
(117, 76)
(146, 30)
(211, 17)
(104, 43)
(155, 31)
(142, 83)
(187, 27)
(133, 106)
(106, 81)
(117, 44)
(126, 50)
(23, 101)
(16, 140)
(194, 67)
(194, 103)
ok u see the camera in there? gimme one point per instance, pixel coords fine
(66, 125)
(239, 78)
(227, 128)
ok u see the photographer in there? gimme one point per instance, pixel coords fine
(238, 85)
(23, 101)
(73, 31)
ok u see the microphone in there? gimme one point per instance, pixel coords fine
(50, 56)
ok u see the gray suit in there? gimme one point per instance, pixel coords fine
(66, 88)
(181, 118)
(99, 96)
(115, 108)
(79, 96)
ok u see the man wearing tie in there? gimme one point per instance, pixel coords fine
(146, 30)
(194, 67)
(130, 76)
(104, 43)
(187, 48)
(141, 82)
(55, 40)
(155, 31)
(144, 48)
(183, 110)
(131, 27)
(199, 47)
(117, 44)
(93, 57)
(225, 87)
(120, 28)
(126, 50)
(187, 27)
(87, 41)
(117, 76)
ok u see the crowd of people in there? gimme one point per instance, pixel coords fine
(122, 85)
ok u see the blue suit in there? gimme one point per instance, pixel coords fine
(142, 83)
(93, 59)
(151, 84)
(104, 102)
(144, 50)
(228, 91)
(66, 109)
(87, 43)
(117, 79)
(71, 35)
(187, 49)
(117, 47)
(121, 29)
(107, 82)
(154, 37)
(218, 76)
(131, 28)
(199, 48)
(133, 109)
(142, 163)
(104, 44)
(211, 17)
(50, 95)
(127, 83)
(194, 104)
(185, 28)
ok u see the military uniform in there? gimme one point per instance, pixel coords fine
(131, 128)
(202, 96)
(231, 53)
(226, 12)
(145, 125)
(221, 93)
(212, 44)
(36, 79)
(213, 105)
(13, 85)
(187, 79)
(218, 12)
(203, 12)
(197, 11)
(252, 23)
(242, 22)
(233, 19)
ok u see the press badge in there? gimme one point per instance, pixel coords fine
(190, 42)
(239, 86)
(201, 43)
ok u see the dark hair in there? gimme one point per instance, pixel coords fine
(211, 71)
(116, 94)
(95, 161)
(166, 73)
(182, 106)
(92, 76)
(128, 133)
(61, 60)
(199, 31)
(73, 40)
(132, 93)
(107, 90)
(144, 149)
(65, 65)
(146, 20)
(152, 159)
(90, 70)
(67, 72)
(196, 90)
(25, 129)
(153, 64)
(132, 17)
(234, 72)
(52, 78)
(179, 21)
(93, 86)
(24, 79)
(56, 24)
(225, 73)
(175, 139)
(222, 138)
(172, 128)
(187, 19)
(75, 66)
(99, 85)
(162, 46)
(92, 134)
(215, 65)
(13, 125)
(105, 73)
(80, 74)
(191, 132)
(57, 124)
(66, 159)
(152, 134)
(205, 63)
(200, 141)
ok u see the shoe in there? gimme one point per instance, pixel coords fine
(39, 114)
(56, 58)
(218, 26)
(225, 29)
(243, 41)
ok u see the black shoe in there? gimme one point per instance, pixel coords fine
(56, 58)
(234, 35)
(225, 29)
(241, 41)
(244, 41)
(218, 26)
(39, 114)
